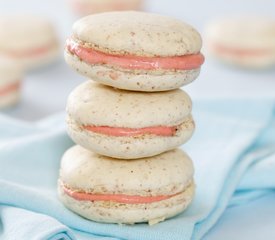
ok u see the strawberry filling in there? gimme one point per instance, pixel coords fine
(11, 87)
(119, 198)
(92, 56)
(129, 132)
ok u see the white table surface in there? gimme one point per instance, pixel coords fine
(45, 91)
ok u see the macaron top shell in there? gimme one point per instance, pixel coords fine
(99, 105)
(143, 34)
(165, 174)
(21, 32)
(246, 32)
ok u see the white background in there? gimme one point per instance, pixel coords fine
(45, 90)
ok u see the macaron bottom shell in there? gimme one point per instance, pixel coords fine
(148, 81)
(129, 147)
(112, 212)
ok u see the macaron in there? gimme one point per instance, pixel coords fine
(109, 190)
(11, 75)
(247, 42)
(86, 7)
(29, 39)
(135, 50)
(128, 125)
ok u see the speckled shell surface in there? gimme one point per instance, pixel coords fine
(144, 34)
(164, 174)
(99, 105)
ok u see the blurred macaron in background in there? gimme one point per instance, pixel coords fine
(11, 75)
(30, 39)
(216, 80)
(86, 7)
(243, 41)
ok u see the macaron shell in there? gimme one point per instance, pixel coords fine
(99, 105)
(143, 34)
(110, 212)
(152, 81)
(129, 147)
(165, 174)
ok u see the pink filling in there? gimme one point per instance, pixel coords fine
(9, 88)
(240, 52)
(124, 132)
(92, 56)
(120, 198)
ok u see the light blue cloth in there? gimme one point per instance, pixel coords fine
(233, 149)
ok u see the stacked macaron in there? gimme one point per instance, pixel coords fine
(126, 168)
